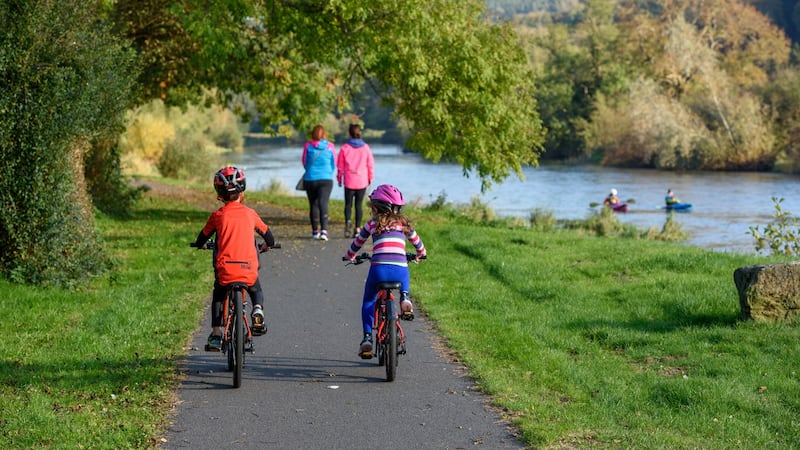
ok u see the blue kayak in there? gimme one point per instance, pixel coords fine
(678, 206)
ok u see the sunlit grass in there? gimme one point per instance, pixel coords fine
(584, 341)
(95, 367)
(610, 343)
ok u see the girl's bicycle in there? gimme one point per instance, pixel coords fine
(237, 334)
(390, 340)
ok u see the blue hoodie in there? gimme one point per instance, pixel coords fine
(319, 160)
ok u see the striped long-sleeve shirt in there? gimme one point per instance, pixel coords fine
(389, 247)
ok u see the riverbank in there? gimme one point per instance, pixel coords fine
(582, 341)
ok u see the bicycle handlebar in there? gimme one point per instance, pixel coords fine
(210, 245)
(366, 256)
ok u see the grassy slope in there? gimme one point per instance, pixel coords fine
(587, 342)
(609, 343)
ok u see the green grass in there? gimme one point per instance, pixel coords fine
(586, 342)
(95, 368)
(611, 343)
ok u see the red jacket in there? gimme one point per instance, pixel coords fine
(236, 253)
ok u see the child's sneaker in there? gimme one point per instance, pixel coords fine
(406, 308)
(365, 349)
(214, 343)
(259, 327)
(324, 235)
(315, 235)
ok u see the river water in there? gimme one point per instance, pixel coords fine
(725, 205)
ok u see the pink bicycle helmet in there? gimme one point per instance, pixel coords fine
(229, 180)
(387, 198)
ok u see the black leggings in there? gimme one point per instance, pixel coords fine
(358, 196)
(318, 193)
(218, 299)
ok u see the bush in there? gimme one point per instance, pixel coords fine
(542, 219)
(163, 138)
(187, 157)
(782, 236)
(56, 100)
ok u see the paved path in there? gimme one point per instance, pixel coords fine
(305, 387)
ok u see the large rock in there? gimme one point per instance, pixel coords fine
(769, 293)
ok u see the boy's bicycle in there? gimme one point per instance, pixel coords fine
(237, 334)
(390, 340)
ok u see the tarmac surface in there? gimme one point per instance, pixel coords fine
(306, 388)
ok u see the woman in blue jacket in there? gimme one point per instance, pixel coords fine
(319, 160)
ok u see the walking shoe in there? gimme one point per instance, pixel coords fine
(356, 231)
(406, 308)
(259, 327)
(315, 235)
(347, 227)
(324, 235)
(365, 349)
(214, 343)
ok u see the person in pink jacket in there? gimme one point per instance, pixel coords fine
(356, 169)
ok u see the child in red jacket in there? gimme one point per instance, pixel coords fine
(235, 252)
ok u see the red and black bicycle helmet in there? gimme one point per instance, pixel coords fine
(387, 198)
(229, 180)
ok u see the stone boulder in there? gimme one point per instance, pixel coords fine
(770, 292)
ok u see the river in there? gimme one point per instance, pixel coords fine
(725, 205)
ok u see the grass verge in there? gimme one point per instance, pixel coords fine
(95, 367)
(594, 342)
(586, 342)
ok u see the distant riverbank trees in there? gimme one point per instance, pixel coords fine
(686, 84)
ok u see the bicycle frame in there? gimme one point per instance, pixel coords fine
(237, 337)
(390, 339)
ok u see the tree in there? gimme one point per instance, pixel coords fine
(65, 83)
(461, 83)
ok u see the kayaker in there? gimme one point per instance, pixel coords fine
(612, 198)
(670, 199)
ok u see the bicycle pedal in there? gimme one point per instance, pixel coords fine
(365, 355)
(259, 330)
(248, 347)
(212, 349)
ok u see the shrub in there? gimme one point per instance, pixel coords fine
(56, 99)
(542, 219)
(782, 236)
(187, 157)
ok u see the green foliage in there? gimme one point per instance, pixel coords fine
(186, 158)
(675, 87)
(542, 219)
(65, 83)
(671, 231)
(782, 236)
(463, 85)
(95, 367)
(180, 143)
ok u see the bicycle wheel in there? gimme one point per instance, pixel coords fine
(237, 338)
(390, 344)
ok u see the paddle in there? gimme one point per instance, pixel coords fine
(595, 204)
